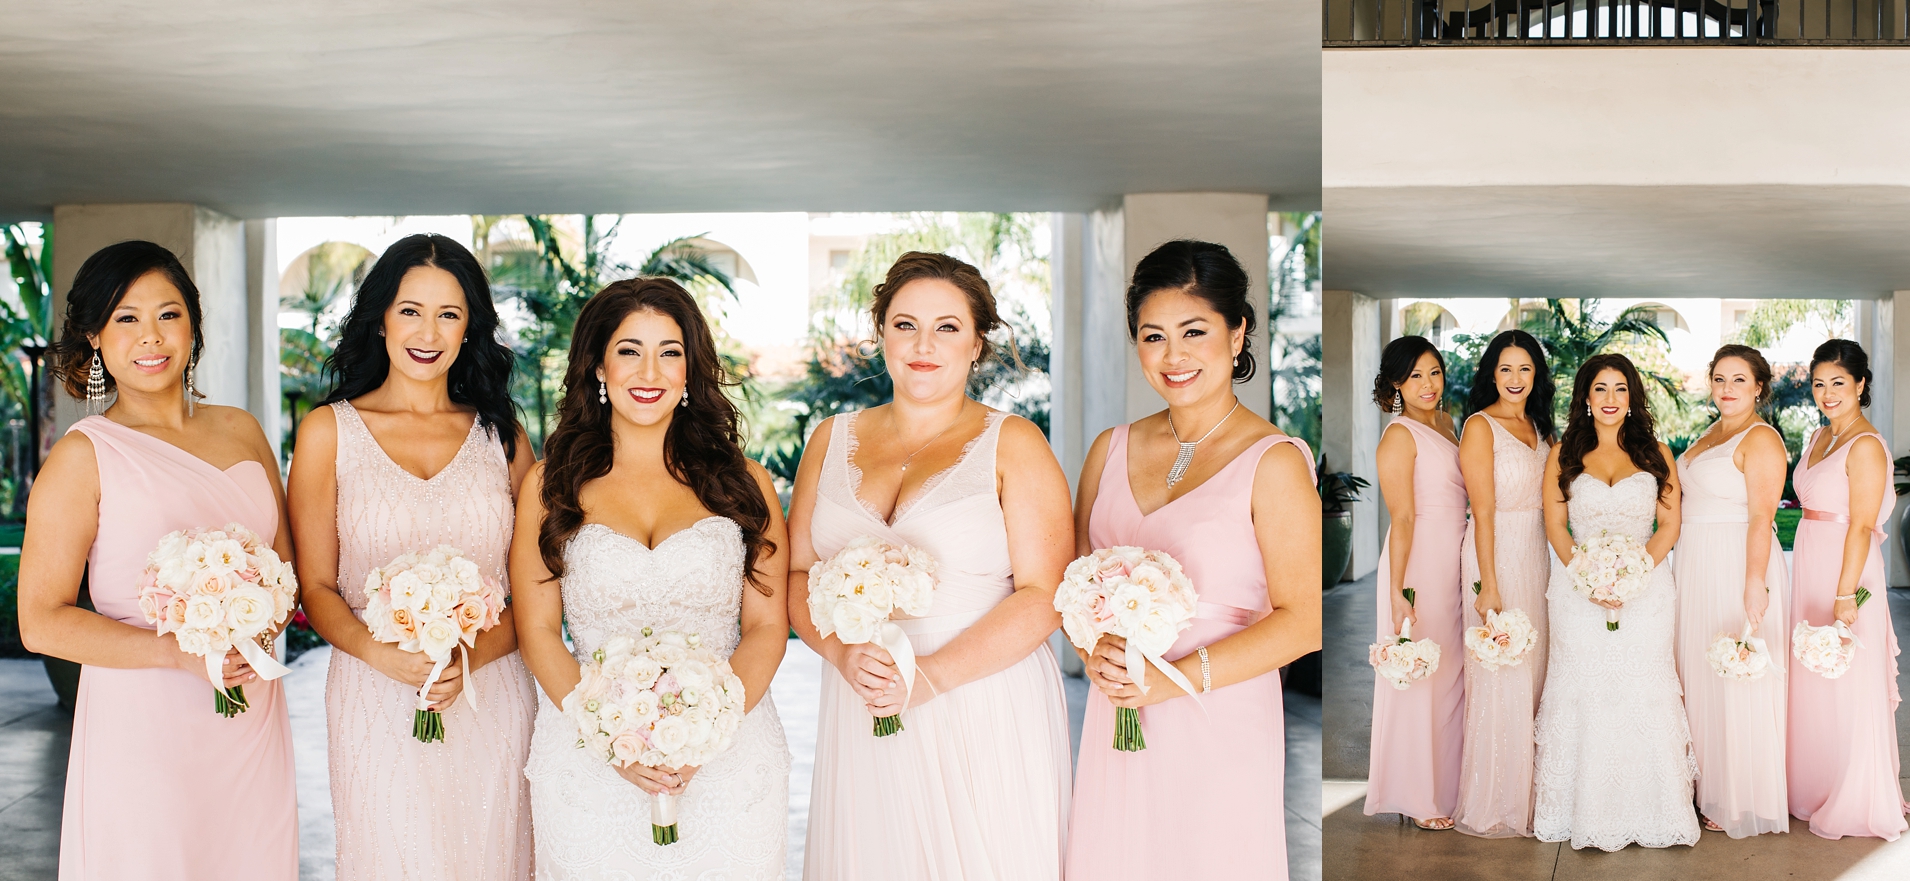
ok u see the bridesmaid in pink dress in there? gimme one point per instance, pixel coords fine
(418, 448)
(1503, 457)
(1729, 570)
(1842, 764)
(1205, 798)
(1417, 732)
(975, 785)
(158, 786)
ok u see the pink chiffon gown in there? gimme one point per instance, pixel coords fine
(1737, 728)
(1206, 798)
(1842, 766)
(1418, 732)
(158, 786)
(460, 807)
(975, 785)
(1502, 706)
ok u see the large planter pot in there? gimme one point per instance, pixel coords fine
(1336, 546)
(1903, 523)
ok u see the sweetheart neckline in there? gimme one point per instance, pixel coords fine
(666, 540)
(1584, 475)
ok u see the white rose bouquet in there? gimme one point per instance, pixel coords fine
(215, 590)
(1139, 595)
(430, 603)
(854, 593)
(1611, 568)
(1502, 641)
(1743, 658)
(661, 700)
(1404, 660)
(1828, 650)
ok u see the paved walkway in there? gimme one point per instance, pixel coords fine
(1387, 847)
(34, 733)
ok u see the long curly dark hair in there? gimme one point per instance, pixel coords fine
(702, 447)
(1637, 435)
(480, 378)
(1538, 402)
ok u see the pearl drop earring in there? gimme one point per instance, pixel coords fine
(603, 392)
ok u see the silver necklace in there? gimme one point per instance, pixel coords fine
(1186, 455)
(938, 436)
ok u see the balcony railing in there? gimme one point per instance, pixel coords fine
(1616, 22)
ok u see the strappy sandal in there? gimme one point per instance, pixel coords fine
(1436, 824)
(1709, 826)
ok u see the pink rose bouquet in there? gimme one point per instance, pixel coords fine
(430, 603)
(215, 590)
(661, 700)
(854, 594)
(1503, 641)
(1404, 660)
(1611, 568)
(1139, 595)
(1828, 650)
(1743, 658)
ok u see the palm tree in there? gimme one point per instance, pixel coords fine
(1573, 331)
(333, 271)
(26, 325)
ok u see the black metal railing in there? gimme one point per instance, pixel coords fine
(1616, 22)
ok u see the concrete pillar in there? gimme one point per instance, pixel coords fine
(212, 247)
(1237, 220)
(1890, 410)
(262, 326)
(1350, 340)
(1091, 356)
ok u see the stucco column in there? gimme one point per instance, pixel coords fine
(1237, 220)
(1350, 338)
(212, 247)
(262, 327)
(1889, 343)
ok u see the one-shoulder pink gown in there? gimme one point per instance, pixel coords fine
(976, 783)
(1206, 798)
(1842, 760)
(158, 786)
(1418, 732)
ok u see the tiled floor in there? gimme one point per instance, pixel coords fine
(1386, 847)
(34, 734)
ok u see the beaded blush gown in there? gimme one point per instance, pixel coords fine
(1737, 728)
(1614, 751)
(1502, 706)
(976, 783)
(1209, 788)
(733, 816)
(457, 808)
(1418, 731)
(155, 780)
(1842, 768)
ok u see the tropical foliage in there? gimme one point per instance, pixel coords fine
(332, 272)
(1294, 359)
(26, 327)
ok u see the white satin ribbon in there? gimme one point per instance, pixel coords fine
(895, 641)
(1137, 662)
(663, 809)
(262, 663)
(437, 670)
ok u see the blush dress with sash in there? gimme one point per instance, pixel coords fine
(1418, 731)
(1737, 727)
(976, 783)
(1842, 767)
(1206, 798)
(158, 786)
(1502, 706)
(457, 808)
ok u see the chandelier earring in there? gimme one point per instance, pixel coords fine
(96, 386)
(192, 387)
(1399, 401)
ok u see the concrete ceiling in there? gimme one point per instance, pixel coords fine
(1586, 241)
(414, 107)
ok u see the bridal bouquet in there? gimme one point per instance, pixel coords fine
(854, 593)
(1613, 568)
(660, 700)
(430, 603)
(1743, 657)
(214, 590)
(1826, 650)
(1139, 595)
(1404, 660)
(1503, 641)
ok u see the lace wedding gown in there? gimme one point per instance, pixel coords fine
(1614, 752)
(589, 822)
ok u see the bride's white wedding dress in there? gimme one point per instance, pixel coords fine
(1614, 750)
(589, 822)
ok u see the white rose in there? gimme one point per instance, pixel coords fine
(872, 587)
(171, 545)
(444, 595)
(618, 645)
(642, 708)
(668, 655)
(175, 574)
(642, 670)
(1128, 603)
(1080, 629)
(653, 758)
(1154, 632)
(195, 642)
(406, 591)
(427, 573)
(248, 611)
(695, 674)
(702, 722)
(612, 721)
(204, 612)
(673, 638)
(670, 734)
(437, 635)
(854, 622)
(226, 555)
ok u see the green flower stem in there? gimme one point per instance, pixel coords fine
(428, 726)
(1127, 730)
(887, 725)
(663, 834)
(229, 702)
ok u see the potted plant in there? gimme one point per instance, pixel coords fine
(1338, 491)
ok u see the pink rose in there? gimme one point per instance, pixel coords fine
(627, 746)
(666, 684)
(1112, 568)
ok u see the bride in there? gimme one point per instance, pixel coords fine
(645, 455)
(1614, 751)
